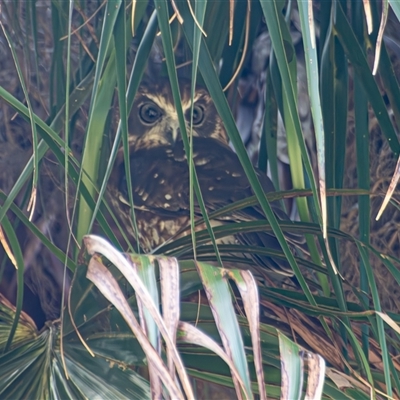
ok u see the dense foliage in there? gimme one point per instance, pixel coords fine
(306, 83)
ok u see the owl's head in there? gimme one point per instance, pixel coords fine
(154, 120)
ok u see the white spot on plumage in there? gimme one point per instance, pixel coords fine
(236, 174)
(201, 161)
(168, 197)
(155, 176)
(211, 188)
(162, 181)
(166, 205)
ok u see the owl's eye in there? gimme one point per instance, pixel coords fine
(198, 115)
(149, 113)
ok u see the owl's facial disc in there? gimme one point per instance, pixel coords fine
(154, 119)
(160, 121)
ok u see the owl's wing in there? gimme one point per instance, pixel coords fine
(160, 178)
(160, 181)
(223, 181)
(160, 184)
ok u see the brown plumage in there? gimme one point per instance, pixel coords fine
(160, 174)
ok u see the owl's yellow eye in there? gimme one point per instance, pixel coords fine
(149, 113)
(198, 115)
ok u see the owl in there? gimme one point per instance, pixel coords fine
(160, 175)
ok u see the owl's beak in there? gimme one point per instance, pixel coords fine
(173, 133)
